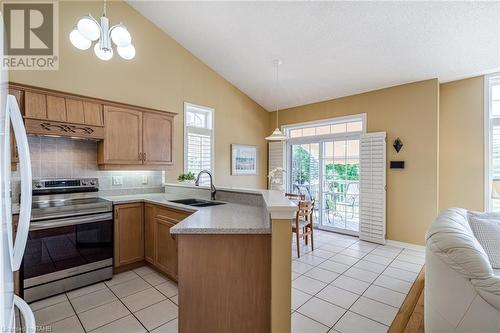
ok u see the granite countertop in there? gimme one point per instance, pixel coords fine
(229, 218)
(239, 217)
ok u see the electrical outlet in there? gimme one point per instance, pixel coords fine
(117, 180)
(145, 180)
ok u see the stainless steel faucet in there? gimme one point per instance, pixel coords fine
(213, 190)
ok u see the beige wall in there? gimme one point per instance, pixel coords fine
(410, 112)
(461, 142)
(163, 75)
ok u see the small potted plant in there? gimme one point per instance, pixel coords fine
(186, 178)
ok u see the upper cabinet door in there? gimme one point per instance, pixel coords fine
(56, 108)
(157, 136)
(74, 111)
(93, 113)
(123, 136)
(35, 105)
(18, 94)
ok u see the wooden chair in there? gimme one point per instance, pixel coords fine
(295, 196)
(303, 224)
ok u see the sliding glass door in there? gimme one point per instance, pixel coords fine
(305, 172)
(325, 168)
(340, 185)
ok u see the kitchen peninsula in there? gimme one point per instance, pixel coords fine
(233, 259)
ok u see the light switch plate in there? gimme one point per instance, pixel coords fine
(145, 179)
(117, 180)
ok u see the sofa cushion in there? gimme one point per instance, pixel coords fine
(451, 238)
(487, 232)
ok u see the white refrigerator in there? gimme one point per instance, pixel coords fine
(12, 248)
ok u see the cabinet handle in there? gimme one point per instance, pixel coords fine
(140, 156)
(144, 156)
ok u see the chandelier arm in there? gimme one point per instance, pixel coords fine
(116, 26)
(90, 17)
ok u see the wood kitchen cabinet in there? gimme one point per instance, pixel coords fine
(142, 232)
(14, 158)
(35, 105)
(165, 247)
(123, 137)
(129, 137)
(160, 245)
(149, 238)
(129, 234)
(49, 112)
(135, 138)
(157, 138)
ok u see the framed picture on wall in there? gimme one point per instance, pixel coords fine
(243, 160)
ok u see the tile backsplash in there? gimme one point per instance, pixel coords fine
(72, 158)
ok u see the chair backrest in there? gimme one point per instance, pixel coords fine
(306, 208)
(304, 190)
(295, 196)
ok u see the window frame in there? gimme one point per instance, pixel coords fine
(490, 80)
(319, 138)
(323, 122)
(200, 130)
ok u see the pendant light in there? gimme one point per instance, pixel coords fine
(277, 135)
(89, 30)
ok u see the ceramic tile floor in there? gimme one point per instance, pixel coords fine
(344, 285)
(133, 302)
(347, 285)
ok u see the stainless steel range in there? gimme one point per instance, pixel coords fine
(70, 243)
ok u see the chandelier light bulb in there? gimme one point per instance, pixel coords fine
(126, 52)
(89, 28)
(103, 54)
(120, 36)
(79, 41)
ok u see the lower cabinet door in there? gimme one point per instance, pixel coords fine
(129, 234)
(165, 248)
(149, 232)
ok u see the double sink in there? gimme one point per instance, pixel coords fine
(198, 202)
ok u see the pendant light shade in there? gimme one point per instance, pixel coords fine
(79, 41)
(277, 135)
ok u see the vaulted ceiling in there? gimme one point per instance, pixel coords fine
(332, 49)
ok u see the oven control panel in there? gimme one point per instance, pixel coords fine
(69, 185)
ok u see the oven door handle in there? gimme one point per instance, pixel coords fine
(41, 225)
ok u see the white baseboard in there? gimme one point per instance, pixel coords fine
(409, 246)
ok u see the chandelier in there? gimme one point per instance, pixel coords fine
(89, 30)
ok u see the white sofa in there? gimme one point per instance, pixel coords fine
(462, 291)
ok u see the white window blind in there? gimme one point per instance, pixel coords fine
(372, 198)
(275, 160)
(198, 140)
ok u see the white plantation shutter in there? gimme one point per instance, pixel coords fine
(199, 154)
(372, 192)
(275, 160)
(198, 150)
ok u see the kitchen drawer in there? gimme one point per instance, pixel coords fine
(171, 214)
